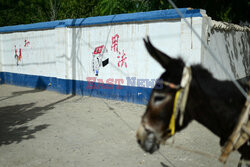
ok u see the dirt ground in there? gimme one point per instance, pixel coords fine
(47, 129)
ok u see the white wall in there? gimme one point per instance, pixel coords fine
(165, 35)
(38, 53)
(83, 41)
(62, 57)
(231, 44)
(1, 53)
(67, 52)
(190, 45)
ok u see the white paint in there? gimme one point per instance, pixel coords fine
(83, 41)
(190, 44)
(38, 57)
(165, 35)
(231, 45)
(67, 53)
(1, 53)
(61, 52)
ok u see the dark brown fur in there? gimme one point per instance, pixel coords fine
(213, 103)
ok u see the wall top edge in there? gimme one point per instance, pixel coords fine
(110, 19)
(219, 25)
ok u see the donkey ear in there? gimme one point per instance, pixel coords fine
(160, 57)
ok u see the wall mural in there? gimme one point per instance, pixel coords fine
(100, 59)
(18, 54)
(18, 57)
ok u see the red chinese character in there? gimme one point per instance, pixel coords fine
(114, 45)
(122, 62)
(26, 43)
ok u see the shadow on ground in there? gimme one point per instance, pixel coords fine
(39, 87)
(15, 121)
(15, 94)
(164, 165)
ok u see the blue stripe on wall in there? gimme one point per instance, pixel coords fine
(120, 18)
(132, 94)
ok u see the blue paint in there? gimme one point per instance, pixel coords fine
(34, 26)
(120, 18)
(132, 94)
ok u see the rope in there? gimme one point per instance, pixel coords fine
(244, 93)
(211, 156)
(204, 154)
(196, 152)
(166, 158)
(228, 26)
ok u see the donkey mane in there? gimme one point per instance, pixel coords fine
(220, 101)
(214, 103)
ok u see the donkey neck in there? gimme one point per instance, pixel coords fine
(213, 103)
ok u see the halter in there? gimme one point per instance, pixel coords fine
(180, 100)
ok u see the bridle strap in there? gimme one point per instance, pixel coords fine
(171, 85)
(171, 126)
(185, 84)
(180, 100)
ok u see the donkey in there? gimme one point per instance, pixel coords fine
(213, 103)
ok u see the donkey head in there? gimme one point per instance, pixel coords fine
(155, 124)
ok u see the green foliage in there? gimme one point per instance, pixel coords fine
(108, 7)
(13, 12)
(225, 15)
(233, 11)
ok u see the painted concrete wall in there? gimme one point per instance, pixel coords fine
(125, 51)
(0, 55)
(68, 52)
(231, 44)
(31, 52)
(190, 49)
(64, 55)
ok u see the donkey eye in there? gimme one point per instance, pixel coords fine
(159, 98)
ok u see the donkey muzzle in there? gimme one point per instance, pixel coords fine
(147, 140)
